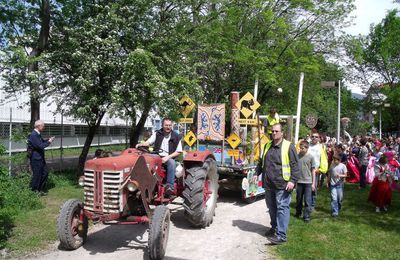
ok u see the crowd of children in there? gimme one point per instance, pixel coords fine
(364, 160)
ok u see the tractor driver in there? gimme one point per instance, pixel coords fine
(169, 143)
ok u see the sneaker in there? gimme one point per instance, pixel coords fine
(270, 232)
(307, 220)
(276, 240)
(377, 209)
(385, 209)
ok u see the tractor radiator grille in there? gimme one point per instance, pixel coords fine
(111, 192)
(102, 192)
(88, 190)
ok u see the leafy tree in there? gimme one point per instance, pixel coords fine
(375, 62)
(156, 67)
(25, 29)
(84, 62)
(142, 78)
(235, 42)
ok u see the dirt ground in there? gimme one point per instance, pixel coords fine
(236, 233)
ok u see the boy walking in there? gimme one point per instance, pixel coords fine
(306, 182)
(336, 175)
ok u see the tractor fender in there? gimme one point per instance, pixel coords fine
(197, 156)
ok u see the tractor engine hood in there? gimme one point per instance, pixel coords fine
(124, 162)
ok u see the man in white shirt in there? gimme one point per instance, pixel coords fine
(315, 150)
(168, 143)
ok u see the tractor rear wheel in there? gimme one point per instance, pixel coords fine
(201, 193)
(72, 232)
(158, 232)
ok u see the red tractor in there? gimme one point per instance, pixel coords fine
(129, 189)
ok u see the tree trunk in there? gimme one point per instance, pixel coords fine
(34, 103)
(138, 129)
(88, 142)
(36, 52)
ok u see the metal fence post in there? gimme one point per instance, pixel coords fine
(10, 144)
(61, 140)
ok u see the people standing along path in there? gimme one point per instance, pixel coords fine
(36, 146)
(306, 182)
(363, 161)
(381, 193)
(280, 172)
(321, 163)
(336, 176)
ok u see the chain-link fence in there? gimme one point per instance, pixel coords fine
(14, 134)
(67, 136)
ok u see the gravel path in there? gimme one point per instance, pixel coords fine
(236, 233)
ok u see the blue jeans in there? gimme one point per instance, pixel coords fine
(336, 198)
(303, 192)
(278, 202)
(314, 193)
(171, 168)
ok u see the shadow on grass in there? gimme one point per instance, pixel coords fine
(357, 210)
(363, 212)
(62, 178)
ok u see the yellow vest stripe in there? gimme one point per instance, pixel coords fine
(284, 158)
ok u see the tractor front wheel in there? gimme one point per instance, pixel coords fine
(201, 194)
(158, 232)
(72, 231)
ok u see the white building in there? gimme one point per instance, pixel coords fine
(69, 132)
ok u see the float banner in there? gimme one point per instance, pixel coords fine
(211, 122)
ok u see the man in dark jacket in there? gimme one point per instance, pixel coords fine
(169, 144)
(280, 172)
(38, 163)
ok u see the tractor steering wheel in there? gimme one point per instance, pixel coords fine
(144, 149)
(157, 151)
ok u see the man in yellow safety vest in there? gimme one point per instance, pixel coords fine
(280, 171)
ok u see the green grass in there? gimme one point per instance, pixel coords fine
(34, 230)
(358, 233)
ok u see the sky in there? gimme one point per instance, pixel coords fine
(368, 12)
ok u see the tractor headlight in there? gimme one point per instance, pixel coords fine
(81, 181)
(132, 186)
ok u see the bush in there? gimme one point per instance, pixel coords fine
(17, 193)
(5, 218)
(62, 179)
(15, 196)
